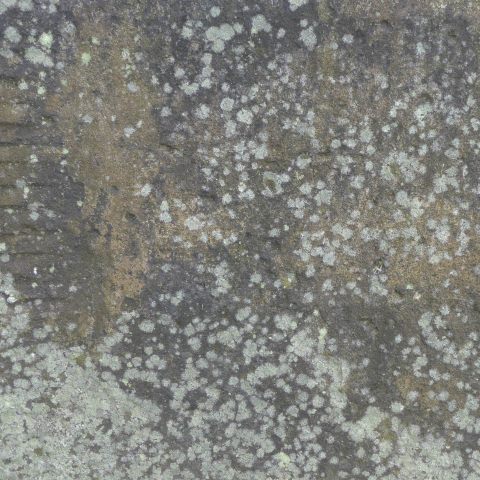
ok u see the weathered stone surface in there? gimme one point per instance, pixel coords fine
(239, 240)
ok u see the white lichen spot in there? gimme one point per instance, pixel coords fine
(219, 36)
(164, 212)
(365, 428)
(146, 326)
(294, 4)
(227, 104)
(273, 183)
(245, 116)
(202, 112)
(255, 278)
(46, 39)
(165, 112)
(414, 204)
(37, 56)
(343, 231)
(187, 32)
(303, 162)
(397, 407)
(215, 12)
(420, 49)
(179, 72)
(193, 223)
(409, 167)
(322, 333)
(324, 196)
(422, 112)
(25, 5)
(11, 34)
(285, 322)
(6, 4)
(283, 459)
(335, 143)
(308, 38)
(366, 135)
(448, 179)
(128, 131)
(145, 190)
(243, 313)
(260, 24)
(3, 306)
(190, 88)
(328, 258)
(376, 285)
(132, 87)
(86, 57)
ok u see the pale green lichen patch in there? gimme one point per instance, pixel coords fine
(12, 35)
(219, 36)
(38, 56)
(46, 39)
(86, 57)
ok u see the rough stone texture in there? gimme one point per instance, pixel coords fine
(239, 239)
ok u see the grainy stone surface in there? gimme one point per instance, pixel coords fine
(239, 239)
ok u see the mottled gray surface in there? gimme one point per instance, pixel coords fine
(239, 240)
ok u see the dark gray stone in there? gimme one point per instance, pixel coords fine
(239, 240)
